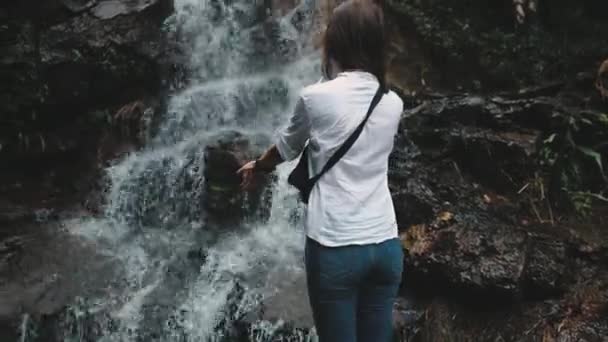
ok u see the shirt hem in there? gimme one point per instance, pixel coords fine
(356, 242)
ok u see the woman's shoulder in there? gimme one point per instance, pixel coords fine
(394, 101)
(326, 92)
(320, 95)
(322, 87)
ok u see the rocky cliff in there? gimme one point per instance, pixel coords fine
(505, 129)
(77, 76)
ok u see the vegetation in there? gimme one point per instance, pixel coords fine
(575, 159)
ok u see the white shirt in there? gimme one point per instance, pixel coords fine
(351, 203)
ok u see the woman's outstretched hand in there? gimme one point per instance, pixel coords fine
(247, 173)
(265, 164)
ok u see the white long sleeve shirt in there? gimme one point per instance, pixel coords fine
(351, 203)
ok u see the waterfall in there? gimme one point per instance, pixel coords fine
(176, 278)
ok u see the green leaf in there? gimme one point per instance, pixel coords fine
(593, 154)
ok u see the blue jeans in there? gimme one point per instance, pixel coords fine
(352, 290)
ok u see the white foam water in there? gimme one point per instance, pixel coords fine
(245, 76)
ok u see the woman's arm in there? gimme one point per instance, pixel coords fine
(290, 142)
(270, 159)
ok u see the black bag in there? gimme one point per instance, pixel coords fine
(300, 177)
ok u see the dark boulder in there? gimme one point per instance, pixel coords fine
(42, 274)
(476, 258)
(465, 182)
(488, 138)
(224, 200)
(495, 151)
(57, 70)
(578, 317)
(481, 221)
(68, 67)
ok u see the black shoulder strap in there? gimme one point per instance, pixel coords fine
(333, 160)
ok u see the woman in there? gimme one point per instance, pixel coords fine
(353, 256)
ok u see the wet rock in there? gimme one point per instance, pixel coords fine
(547, 267)
(41, 275)
(130, 127)
(67, 66)
(224, 200)
(80, 56)
(475, 258)
(87, 61)
(283, 315)
(552, 320)
(482, 135)
(494, 142)
(414, 203)
(406, 319)
(471, 155)
(459, 176)
(493, 261)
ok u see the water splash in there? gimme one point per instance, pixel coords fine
(25, 331)
(179, 280)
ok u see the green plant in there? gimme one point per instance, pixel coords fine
(575, 156)
(582, 201)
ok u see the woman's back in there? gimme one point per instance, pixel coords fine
(351, 204)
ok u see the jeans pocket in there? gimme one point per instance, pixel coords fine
(329, 267)
(336, 269)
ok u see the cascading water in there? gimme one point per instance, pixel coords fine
(174, 277)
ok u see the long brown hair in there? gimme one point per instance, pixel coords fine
(355, 38)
